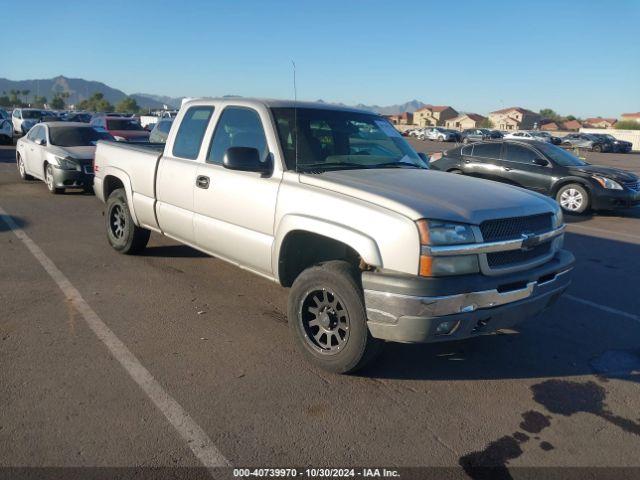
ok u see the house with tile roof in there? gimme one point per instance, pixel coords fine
(514, 118)
(464, 121)
(433, 115)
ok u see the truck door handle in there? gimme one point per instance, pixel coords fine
(202, 181)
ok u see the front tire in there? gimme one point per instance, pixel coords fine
(573, 198)
(327, 318)
(50, 181)
(465, 140)
(123, 235)
(597, 148)
(22, 170)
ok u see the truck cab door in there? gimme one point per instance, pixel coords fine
(176, 176)
(235, 210)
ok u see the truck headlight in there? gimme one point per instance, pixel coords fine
(435, 232)
(607, 183)
(66, 163)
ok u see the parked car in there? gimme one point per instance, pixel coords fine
(527, 135)
(546, 169)
(441, 134)
(586, 141)
(82, 117)
(546, 136)
(375, 246)
(6, 131)
(25, 118)
(160, 131)
(478, 134)
(123, 129)
(617, 146)
(60, 154)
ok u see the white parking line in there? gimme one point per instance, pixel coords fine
(197, 440)
(604, 308)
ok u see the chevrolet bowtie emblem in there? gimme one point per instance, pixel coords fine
(529, 240)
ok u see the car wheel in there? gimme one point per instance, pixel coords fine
(597, 148)
(465, 140)
(123, 235)
(456, 171)
(50, 181)
(327, 318)
(573, 198)
(21, 168)
(441, 138)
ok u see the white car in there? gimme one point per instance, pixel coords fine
(441, 134)
(527, 135)
(59, 153)
(25, 118)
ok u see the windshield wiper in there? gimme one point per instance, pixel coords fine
(398, 165)
(314, 167)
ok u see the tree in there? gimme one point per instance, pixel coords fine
(128, 104)
(57, 102)
(39, 100)
(96, 103)
(5, 101)
(549, 114)
(570, 118)
(25, 93)
(14, 96)
(486, 123)
(627, 125)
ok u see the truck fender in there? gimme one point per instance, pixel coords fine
(126, 181)
(360, 242)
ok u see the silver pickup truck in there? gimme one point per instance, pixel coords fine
(333, 203)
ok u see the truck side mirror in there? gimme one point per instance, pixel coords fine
(245, 159)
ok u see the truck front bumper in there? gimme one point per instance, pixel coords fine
(415, 310)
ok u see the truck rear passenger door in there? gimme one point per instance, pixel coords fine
(234, 209)
(177, 174)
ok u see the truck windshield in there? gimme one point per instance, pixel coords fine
(76, 136)
(341, 140)
(123, 124)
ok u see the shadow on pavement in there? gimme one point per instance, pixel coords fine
(173, 251)
(4, 227)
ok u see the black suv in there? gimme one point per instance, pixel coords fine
(587, 141)
(617, 146)
(547, 169)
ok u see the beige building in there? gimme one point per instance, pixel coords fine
(514, 118)
(405, 118)
(599, 122)
(634, 117)
(464, 121)
(433, 115)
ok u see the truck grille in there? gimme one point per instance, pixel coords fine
(513, 228)
(513, 257)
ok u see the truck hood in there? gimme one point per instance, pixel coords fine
(613, 173)
(434, 195)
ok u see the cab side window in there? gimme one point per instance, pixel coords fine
(33, 133)
(237, 127)
(487, 150)
(191, 132)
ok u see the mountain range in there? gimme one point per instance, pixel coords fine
(80, 89)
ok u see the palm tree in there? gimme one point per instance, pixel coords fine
(25, 93)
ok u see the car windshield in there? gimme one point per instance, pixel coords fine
(341, 140)
(31, 114)
(560, 156)
(123, 124)
(76, 136)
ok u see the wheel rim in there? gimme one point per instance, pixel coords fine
(21, 167)
(117, 222)
(325, 321)
(49, 178)
(571, 199)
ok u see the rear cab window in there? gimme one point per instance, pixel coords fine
(191, 132)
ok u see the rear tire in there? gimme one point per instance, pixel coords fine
(328, 320)
(465, 140)
(123, 235)
(573, 198)
(597, 148)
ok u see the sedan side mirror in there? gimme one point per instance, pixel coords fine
(541, 162)
(245, 159)
(40, 141)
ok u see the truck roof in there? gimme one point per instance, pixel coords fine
(274, 103)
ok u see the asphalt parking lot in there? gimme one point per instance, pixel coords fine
(561, 390)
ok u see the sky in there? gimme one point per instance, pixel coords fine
(576, 57)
